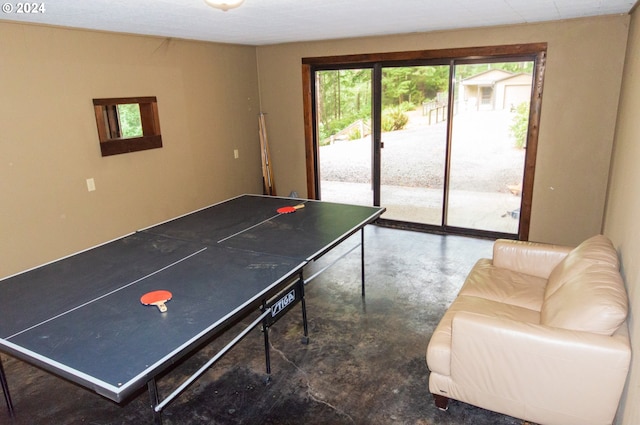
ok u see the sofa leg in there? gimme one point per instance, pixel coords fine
(441, 401)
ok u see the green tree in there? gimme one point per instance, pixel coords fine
(466, 71)
(397, 86)
(130, 121)
(520, 125)
(344, 95)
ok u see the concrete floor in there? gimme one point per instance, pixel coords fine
(365, 363)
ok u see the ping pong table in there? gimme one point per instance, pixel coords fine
(81, 317)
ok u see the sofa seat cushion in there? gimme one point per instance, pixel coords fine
(504, 285)
(439, 350)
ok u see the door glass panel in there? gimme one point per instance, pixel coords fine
(488, 143)
(343, 121)
(414, 139)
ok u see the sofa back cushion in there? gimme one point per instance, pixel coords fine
(585, 291)
(595, 250)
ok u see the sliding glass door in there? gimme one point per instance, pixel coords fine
(441, 144)
(488, 145)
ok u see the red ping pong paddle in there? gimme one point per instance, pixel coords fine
(157, 298)
(288, 210)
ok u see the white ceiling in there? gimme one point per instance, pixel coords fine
(261, 22)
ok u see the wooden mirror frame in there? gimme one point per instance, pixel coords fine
(151, 137)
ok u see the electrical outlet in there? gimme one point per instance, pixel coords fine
(236, 154)
(91, 185)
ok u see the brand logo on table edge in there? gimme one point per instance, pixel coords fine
(283, 302)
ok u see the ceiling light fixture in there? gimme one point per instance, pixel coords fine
(224, 4)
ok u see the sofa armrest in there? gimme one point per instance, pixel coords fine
(556, 375)
(532, 258)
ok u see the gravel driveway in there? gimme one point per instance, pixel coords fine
(484, 157)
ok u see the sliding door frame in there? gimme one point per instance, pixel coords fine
(535, 52)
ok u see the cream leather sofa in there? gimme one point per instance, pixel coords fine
(539, 333)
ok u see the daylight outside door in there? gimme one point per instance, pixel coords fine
(343, 117)
(414, 141)
(487, 151)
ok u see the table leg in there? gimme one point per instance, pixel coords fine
(267, 355)
(362, 259)
(305, 337)
(5, 390)
(154, 399)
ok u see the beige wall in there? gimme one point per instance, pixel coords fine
(208, 105)
(577, 125)
(622, 218)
